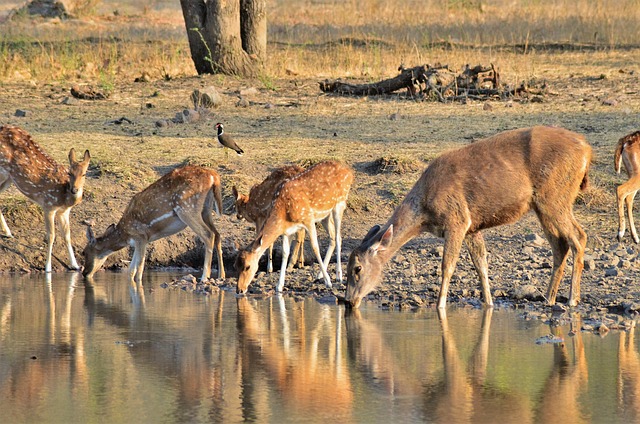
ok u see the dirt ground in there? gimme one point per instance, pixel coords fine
(388, 140)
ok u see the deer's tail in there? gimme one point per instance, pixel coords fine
(617, 162)
(217, 193)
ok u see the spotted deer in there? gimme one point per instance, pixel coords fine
(628, 153)
(45, 182)
(185, 197)
(486, 184)
(255, 207)
(317, 194)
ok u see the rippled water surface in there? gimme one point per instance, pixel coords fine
(109, 353)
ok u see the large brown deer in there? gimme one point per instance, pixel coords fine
(488, 183)
(36, 175)
(185, 197)
(255, 207)
(628, 153)
(317, 194)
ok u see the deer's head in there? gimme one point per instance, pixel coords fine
(94, 252)
(77, 172)
(247, 265)
(364, 268)
(241, 203)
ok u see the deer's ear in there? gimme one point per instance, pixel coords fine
(90, 236)
(72, 156)
(87, 156)
(234, 190)
(372, 232)
(383, 242)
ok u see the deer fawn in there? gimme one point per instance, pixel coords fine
(628, 153)
(45, 182)
(185, 197)
(488, 183)
(255, 207)
(317, 194)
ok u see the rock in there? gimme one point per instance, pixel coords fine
(242, 102)
(589, 264)
(248, 91)
(612, 272)
(162, 123)
(21, 113)
(145, 77)
(535, 239)
(87, 93)
(487, 107)
(190, 116)
(609, 102)
(526, 291)
(71, 101)
(207, 97)
(46, 9)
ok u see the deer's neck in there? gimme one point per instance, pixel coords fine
(273, 228)
(407, 223)
(113, 241)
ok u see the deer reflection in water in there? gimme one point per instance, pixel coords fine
(461, 395)
(465, 395)
(568, 379)
(305, 366)
(628, 376)
(26, 381)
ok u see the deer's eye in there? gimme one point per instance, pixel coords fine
(357, 269)
(246, 268)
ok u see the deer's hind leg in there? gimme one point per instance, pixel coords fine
(212, 240)
(5, 182)
(207, 218)
(625, 193)
(297, 257)
(564, 233)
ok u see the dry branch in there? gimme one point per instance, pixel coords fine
(437, 82)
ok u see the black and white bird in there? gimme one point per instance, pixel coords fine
(226, 141)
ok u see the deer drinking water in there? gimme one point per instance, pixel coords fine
(317, 194)
(628, 153)
(36, 175)
(185, 197)
(488, 183)
(255, 208)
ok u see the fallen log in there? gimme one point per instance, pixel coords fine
(437, 82)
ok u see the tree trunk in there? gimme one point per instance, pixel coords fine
(253, 28)
(215, 38)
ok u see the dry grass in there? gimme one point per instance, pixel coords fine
(316, 38)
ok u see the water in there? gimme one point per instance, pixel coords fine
(108, 353)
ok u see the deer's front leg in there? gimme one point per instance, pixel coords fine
(452, 245)
(286, 247)
(313, 236)
(50, 235)
(136, 268)
(3, 186)
(63, 219)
